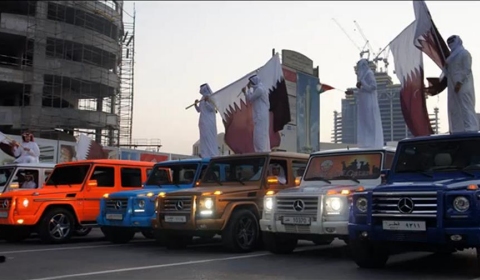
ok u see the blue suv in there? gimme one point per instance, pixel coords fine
(429, 201)
(122, 214)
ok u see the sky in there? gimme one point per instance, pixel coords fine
(181, 45)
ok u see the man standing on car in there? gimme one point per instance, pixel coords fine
(261, 113)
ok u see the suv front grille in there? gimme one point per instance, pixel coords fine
(405, 204)
(117, 204)
(177, 204)
(5, 203)
(297, 204)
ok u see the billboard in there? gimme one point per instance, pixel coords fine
(289, 138)
(308, 113)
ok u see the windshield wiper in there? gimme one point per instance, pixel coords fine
(346, 177)
(239, 180)
(453, 167)
(320, 179)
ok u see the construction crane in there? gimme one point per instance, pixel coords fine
(377, 57)
(362, 50)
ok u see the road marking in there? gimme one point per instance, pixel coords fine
(66, 248)
(166, 265)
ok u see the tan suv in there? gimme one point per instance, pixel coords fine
(228, 200)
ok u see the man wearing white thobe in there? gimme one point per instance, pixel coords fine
(207, 124)
(369, 122)
(258, 97)
(461, 90)
(28, 151)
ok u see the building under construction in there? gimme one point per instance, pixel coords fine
(66, 67)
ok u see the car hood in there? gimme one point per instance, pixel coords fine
(434, 185)
(315, 189)
(144, 191)
(225, 190)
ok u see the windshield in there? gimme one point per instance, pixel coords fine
(438, 156)
(68, 175)
(174, 174)
(344, 167)
(5, 174)
(235, 170)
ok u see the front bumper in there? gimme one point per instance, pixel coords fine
(470, 237)
(125, 220)
(186, 222)
(317, 226)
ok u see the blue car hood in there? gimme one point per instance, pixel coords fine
(155, 190)
(436, 185)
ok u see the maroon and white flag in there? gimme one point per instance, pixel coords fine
(408, 61)
(429, 40)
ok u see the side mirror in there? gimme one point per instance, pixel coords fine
(272, 180)
(91, 183)
(384, 175)
(298, 180)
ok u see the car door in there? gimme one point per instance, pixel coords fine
(100, 181)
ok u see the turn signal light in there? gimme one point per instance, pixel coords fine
(345, 192)
(472, 187)
(270, 193)
(360, 189)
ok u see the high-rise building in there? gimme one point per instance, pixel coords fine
(393, 123)
(67, 66)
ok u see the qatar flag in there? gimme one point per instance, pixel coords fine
(236, 112)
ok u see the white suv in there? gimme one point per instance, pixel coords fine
(318, 210)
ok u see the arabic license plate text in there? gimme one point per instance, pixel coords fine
(114, 217)
(3, 214)
(404, 225)
(175, 219)
(296, 221)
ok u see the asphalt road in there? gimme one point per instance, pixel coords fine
(93, 258)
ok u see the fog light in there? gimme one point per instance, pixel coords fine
(330, 229)
(456, 237)
(364, 234)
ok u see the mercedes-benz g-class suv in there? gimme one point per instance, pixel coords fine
(318, 209)
(124, 213)
(430, 201)
(228, 201)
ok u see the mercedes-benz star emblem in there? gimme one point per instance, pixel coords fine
(405, 205)
(298, 205)
(118, 204)
(179, 205)
(6, 203)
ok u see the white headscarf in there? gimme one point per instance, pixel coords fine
(255, 80)
(205, 90)
(362, 69)
(456, 46)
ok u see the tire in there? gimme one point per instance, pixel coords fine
(245, 222)
(323, 241)
(117, 235)
(83, 231)
(56, 226)
(368, 255)
(14, 235)
(279, 245)
(148, 233)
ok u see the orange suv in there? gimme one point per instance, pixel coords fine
(69, 200)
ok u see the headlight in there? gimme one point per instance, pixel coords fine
(333, 205)
(141, 204)
(362, 204)
(461, 204)
(25, 203)
(268, 203)
(208, 203)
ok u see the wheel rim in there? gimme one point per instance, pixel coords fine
(246, 232)
(59, 226)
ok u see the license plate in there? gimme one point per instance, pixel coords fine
(3, 214)
(296, 220)
(114, 217)
(175, 219)
(404, 225)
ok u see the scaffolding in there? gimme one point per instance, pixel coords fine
(77, 65)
